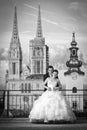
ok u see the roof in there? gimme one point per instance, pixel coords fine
(35, 76)
(71, 71)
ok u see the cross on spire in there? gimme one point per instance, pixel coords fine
(73, 37)
(39, 26)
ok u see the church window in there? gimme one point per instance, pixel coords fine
(29, 87)
(74, 90)
(8, 86)
(13, 86)
(25, 87)
(38, 51)
(17, 54)
(74, 52)
(33, 52)
(34, 66)
(41, 51)
(38, 66)
(26, 98)
(14, 68)
(74, 105)
(22, 87)
(10, 54)
(42, 66)
(37, 86)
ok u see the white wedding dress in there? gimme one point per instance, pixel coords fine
(51, 106)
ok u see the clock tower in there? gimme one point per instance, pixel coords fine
(74, 77)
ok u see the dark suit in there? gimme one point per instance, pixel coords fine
(44, 78)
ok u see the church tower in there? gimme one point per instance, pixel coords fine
(15, 52)
(74, 63)
(74, 77)
(38, 51)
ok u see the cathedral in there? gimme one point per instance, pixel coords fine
(24, 83)
(26, 86)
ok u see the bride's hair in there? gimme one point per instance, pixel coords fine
(50, 66)
(55, 71)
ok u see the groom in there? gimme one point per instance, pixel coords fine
(49, 74)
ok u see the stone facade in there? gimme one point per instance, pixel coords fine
(74, 78)
(25, 83)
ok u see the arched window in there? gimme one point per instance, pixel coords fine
(25, 87)
(74, 90)
(22, 88)
(74, 105)
(74, 52)
(13, 86)
(34, 52)
(14, 68)
(17, 54)
(29, 87)
(37, 86)
(38, 67)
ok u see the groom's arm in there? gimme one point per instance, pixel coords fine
(59, 85)
(44, 78)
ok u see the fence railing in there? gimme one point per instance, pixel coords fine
(15, 103)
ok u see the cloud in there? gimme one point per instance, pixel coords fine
(3, 68)
(59, 55)
(71, 19)
(32, 7)
(25, 32)
(74, 6)
(50, 21)
(3, 54)
(44, 19)
(31, 14)
(60, 25)
(83, 58)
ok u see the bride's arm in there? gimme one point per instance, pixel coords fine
(45, 84)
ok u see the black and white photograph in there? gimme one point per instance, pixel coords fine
(43, 64)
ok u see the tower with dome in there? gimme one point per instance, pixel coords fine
(74, 77)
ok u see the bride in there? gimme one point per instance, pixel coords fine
(52, 105)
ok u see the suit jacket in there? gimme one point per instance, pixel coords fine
(44, 78)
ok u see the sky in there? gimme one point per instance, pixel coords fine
(59, 19)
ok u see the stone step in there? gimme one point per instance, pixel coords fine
(26, 120)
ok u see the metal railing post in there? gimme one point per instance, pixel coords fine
(7, 103)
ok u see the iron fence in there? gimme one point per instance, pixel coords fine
(15, 103)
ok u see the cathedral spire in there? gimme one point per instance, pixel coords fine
(15, 26)
(15, 51)
(39, 26)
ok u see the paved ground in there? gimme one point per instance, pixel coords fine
(24, 124)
